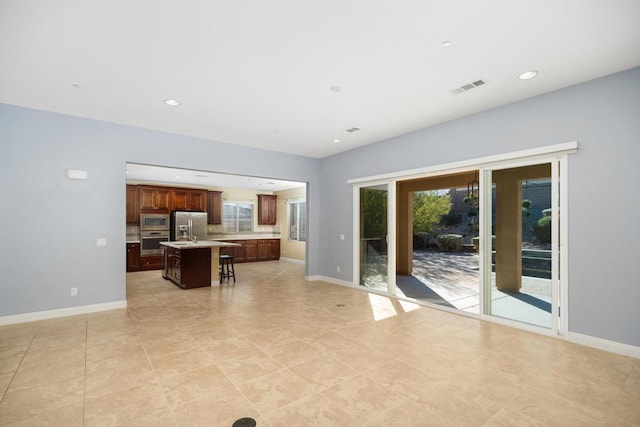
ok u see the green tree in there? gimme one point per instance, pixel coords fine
(428, 208)
(374, 212)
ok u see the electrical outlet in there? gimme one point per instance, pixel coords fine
(74, 292)
(338, 269)
(101, 241)
(342, 237)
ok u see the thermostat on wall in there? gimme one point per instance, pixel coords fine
(76, 174)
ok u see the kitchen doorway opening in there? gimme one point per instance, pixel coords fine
(271, 209)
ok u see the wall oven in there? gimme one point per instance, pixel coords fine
(150, 242)
(154, 222)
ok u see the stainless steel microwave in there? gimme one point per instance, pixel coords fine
(154, 222)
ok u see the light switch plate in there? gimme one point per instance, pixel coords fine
(101, 241)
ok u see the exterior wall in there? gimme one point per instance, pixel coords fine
(289, 248)
(602, 115)
(51, 223)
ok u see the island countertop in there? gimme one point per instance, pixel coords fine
(200, 244)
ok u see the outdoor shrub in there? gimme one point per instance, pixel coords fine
(542, 229)
(420, 240)
(453, 218)
(476, 243)
(449, 242)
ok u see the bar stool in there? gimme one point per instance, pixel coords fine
(225, 271)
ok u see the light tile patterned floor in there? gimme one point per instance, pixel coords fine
(291, 353)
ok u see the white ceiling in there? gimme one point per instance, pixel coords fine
(137, 173)
(291, 76)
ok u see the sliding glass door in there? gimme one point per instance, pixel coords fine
(521, 243)
(374, 249)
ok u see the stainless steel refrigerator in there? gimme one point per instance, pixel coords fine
(185, 224)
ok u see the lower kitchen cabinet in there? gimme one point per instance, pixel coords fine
(190, 268)
(268, 249)
(133, 257)
(250, 250)
(253, 250)
(274, 249)
(153, 262)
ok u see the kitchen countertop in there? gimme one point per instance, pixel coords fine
(243, 236)
(133, 241)
(200, 244)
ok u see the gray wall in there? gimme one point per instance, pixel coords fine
(50, 223)
(604, 117)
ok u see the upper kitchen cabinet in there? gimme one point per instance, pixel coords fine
(188, 200)
(133, 214)
(267, 205)
(153, 199)
(214, 207)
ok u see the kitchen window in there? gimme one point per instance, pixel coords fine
(298, 220)
(237, 217)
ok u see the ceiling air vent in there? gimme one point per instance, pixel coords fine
(351, 130)
(469, 86)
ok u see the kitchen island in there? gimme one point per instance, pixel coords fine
(193, 265)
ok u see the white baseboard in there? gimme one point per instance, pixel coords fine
(574, 337)
(328, 280)
(293, 260)
(606, 345)
(62, 312)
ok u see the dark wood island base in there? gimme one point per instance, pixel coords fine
(193, 264)
(189, 268)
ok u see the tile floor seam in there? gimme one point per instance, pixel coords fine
(15, 372)
(263, 416)
(229, 379)
(571, 402)
(84, 385)
(164, 395)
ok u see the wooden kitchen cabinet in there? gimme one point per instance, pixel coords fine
(190, 268)
(251, 250)
(263, 250)
(239, 252)
(188, 200)
(214, 207)
(267, 205)
(153, 199)
(133, 213)
(133, 257)
(268, 249)
(152, 262)
(274, 249)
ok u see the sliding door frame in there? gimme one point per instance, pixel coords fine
(555, 154)
(391, 235)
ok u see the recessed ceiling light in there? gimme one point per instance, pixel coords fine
(446, 43)
(337, 141)
(335, 89)
(77, 86)
(528, 75)
(171, 102)
(177, 176)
